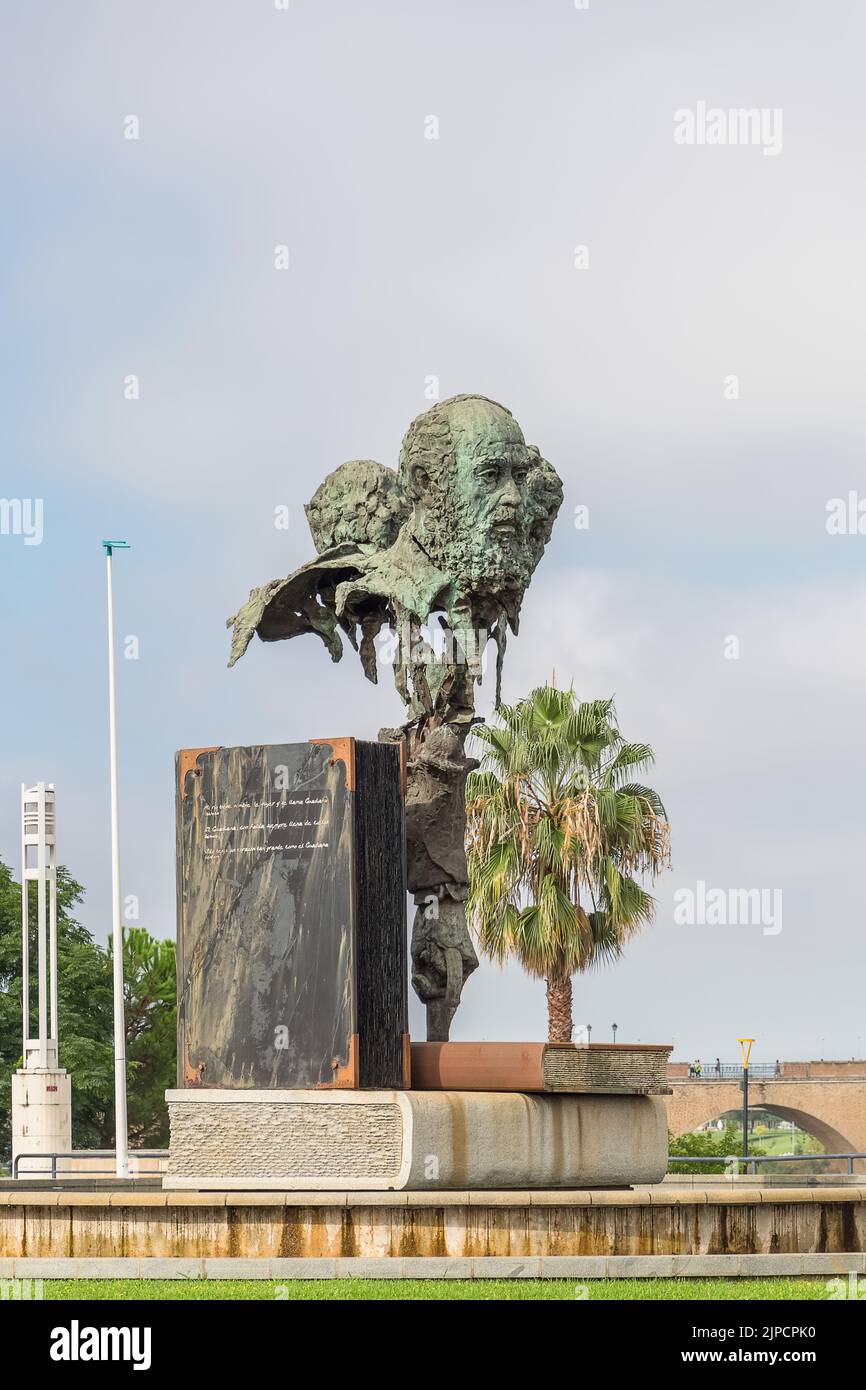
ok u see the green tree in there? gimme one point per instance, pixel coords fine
(150, 1009)
(708, 1143)
(558, 834)
(85, 1019)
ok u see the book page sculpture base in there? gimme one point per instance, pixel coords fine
(632, 1069)
(416, 1140)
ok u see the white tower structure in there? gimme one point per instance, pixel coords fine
(41, 1090)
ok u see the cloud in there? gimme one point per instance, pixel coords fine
(455, 258)
(760, 767)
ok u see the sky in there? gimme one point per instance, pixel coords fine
(491, 198)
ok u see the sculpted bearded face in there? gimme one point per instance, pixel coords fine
(459, 528)
(484, 501)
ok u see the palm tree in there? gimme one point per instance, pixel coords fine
(556, 835)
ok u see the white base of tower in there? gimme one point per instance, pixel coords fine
(41, 1116)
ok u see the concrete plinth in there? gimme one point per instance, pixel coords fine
(41, 1116)
(393, 1140)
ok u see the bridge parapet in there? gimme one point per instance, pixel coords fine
(852, 1070)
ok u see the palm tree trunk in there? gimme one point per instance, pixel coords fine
(559, 1021)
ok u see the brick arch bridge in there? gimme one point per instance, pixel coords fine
(826, 1099)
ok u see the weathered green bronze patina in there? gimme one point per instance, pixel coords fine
(439, 554)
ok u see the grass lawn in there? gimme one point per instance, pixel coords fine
(423, 1290)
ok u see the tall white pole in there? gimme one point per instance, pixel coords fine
(42, 929)
(52, 932)
(25, 938)
(121, 1139)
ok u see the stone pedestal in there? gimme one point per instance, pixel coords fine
(41, 1116)
(391, 1140)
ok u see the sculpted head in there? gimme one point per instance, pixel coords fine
(470, 493)
(484, 501)
(360, 503)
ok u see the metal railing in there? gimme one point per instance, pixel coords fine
(750, 1162)
(83, 1156)
(733, 1071)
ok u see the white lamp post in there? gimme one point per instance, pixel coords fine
(120, 1126)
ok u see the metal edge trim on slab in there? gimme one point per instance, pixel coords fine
(296, 1096)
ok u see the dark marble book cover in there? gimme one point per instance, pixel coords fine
(291, 916)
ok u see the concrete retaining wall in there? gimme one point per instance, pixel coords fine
(445, 1225)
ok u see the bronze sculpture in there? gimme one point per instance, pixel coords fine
(447, 543)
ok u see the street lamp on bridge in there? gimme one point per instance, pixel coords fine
(745, 1049)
